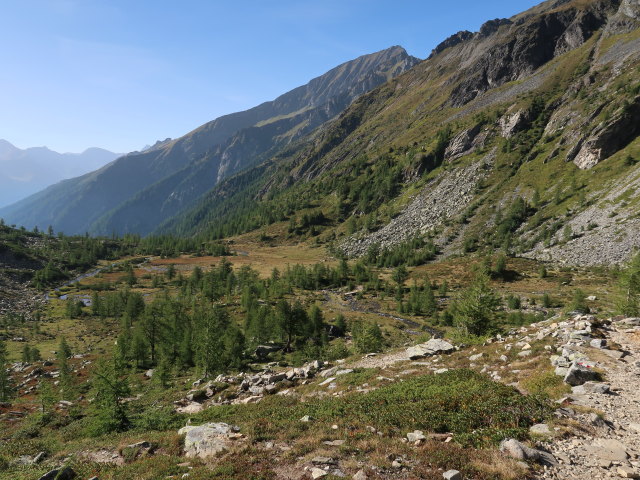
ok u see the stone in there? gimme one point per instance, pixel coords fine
(525, 353)
(452, 475)
(616, 354)
(64, 473)
(149, 373)
(635, 427)
(627, 472)
(39, 457)
(590, 388)
(334, 443)
(541, 429)
(416, 436)
(193, 407)
(598, 343)
(514, 449)
(306, 418)
(432, 347)
(597, 421)
(208, 440)
(608, 449)
(360, 475)
(579, 374)
(476, 357)
(318, 473)
(323, 461)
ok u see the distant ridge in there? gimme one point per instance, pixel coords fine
(24, 172)
(123, 196)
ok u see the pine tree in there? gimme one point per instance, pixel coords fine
(66, 383)
(630, 288)
(5, 384)
(476, 307)
(109, 413)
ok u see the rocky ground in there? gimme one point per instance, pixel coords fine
(607, 444)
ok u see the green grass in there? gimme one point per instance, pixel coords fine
(475, 409)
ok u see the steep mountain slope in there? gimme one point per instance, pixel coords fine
(24, 172)
(499, 140)
(223, 146)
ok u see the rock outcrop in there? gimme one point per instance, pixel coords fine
(609, 137)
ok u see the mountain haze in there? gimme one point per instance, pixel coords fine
(126, 190)
(24, 172)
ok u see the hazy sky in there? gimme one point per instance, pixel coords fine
(120, 74)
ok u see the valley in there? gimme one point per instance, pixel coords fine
(403, 269)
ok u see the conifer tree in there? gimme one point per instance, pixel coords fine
(109, 413)
(5, 385)
(476, 307)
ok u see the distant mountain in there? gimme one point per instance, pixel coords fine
(24, 172)
(141, 189)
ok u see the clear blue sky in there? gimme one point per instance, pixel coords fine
(120, 74)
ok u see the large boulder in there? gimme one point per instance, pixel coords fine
(432, 347)
(579, 374)
(514, 449)
(209, 439)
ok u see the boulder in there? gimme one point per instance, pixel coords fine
(591, 387)
(598, 343)
(579, 374)
(432, 347)
(64, 473)
(209, 439)
(627, 472)
(416, 436)
(541, 429)
(452, 475)
(318, 473)
(190, 408)
(519, 451)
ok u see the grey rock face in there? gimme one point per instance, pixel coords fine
(609, 137)
(513, 122)
(516, 52)
(452, 41)
(462, 143)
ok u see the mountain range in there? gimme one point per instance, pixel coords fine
(522, 136)
(24, 172)
(141, 189)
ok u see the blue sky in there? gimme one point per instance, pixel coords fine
(120, 74)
